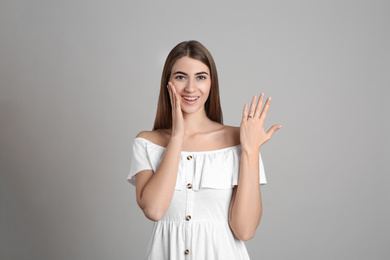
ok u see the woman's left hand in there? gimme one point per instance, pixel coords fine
(252, 134)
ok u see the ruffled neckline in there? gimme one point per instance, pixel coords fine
(215, 169)
(193, 152)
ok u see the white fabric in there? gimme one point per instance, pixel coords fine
(207, 235)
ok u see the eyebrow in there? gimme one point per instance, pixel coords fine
(198, 73)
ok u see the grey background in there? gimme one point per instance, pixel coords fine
(79, 79)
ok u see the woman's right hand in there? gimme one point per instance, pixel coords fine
(177, 114)
(155, 189)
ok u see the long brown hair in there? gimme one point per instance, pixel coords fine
(195, 50)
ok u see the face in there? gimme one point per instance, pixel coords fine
(192, 81)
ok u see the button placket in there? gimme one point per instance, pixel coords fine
(190, 169)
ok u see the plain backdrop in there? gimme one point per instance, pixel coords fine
(80, 79)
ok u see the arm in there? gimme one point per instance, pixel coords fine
(245, 207)
(155, 190)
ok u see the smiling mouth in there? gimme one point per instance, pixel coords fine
(191, 98)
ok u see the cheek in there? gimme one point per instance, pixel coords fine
(206, 88)
(179, 85)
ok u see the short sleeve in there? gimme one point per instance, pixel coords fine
(263, 179)
(140, 159)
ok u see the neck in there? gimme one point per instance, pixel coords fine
(196, 123)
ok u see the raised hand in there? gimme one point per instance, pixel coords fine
(177, 114)
(252, 134)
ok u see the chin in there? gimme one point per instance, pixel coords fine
(192, 110)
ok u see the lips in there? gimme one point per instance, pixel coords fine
(190, 99)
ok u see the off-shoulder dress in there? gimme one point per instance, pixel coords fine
(196, 224)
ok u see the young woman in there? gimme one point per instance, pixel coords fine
(195, 177)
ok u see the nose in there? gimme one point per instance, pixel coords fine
(190, 87)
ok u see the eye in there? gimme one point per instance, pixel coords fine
(180, 77)
(202, 77)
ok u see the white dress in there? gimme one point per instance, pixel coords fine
(196, 224)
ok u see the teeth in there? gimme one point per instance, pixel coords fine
(191, 98)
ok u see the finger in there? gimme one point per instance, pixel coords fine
(174, 95)
(265, 109)
(272, 130)
(259, 106)
(253, 106)
(177, 101)
(170, 93)
(245, 112)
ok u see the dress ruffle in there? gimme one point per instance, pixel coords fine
(217, 169)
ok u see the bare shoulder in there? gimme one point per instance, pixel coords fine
(226, 136)
(159, 137)
(146, 134)
(233, 133)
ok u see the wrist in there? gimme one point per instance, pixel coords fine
(175, 142)
(179, 134)
(249, 150)
(176, 138)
